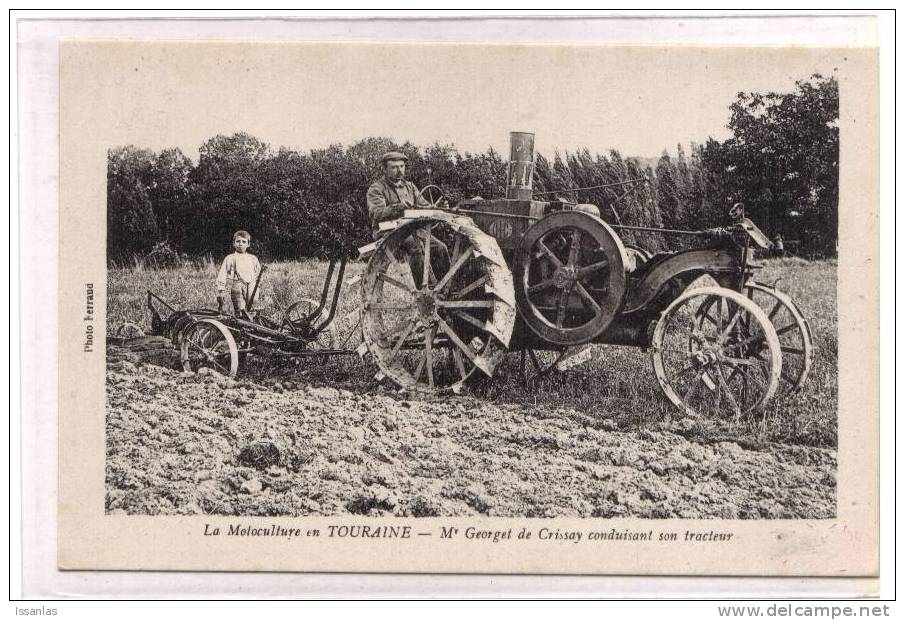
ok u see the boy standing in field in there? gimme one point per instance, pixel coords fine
(238, 273)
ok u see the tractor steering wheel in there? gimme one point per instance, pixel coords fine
(433, 195)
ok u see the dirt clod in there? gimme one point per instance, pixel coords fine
(251, 486)
(260, 455)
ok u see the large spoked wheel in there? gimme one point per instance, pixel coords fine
(570, 277)
(437, 303)
(793, 331)
(302, 316)
(209, 344)
(715, 352)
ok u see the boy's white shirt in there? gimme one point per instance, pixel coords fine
(244, 267)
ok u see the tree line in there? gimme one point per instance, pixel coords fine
(781, 161)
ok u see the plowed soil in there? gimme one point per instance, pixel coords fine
(184, 443)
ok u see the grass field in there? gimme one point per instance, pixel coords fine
(618, 383)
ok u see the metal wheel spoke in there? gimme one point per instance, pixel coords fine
(706, 315)
(583, 272)
(787, 328)
(733, 317)
(396, 329)
(456, 340)
(721, 380)
(543, 247)
(389, 306)
(739, 361)
(775, 309)
(792, 350)
(196, 345)
(457, 247)
(753, 378)
(692, 388)
(419, 368)
(429, 353)
(223, 369)
(586, 297)
(480, 281)
(540, 286)
(561, 307)
(470, 319)
(391, 280)
(753, 340)
(427, 257)
(452, 270)
(405, 334)
(468, 303)
(732, 321)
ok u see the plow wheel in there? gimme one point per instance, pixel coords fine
(437, 302)
(794, 333)
(570, 277)
(300, 316)
(209, 344)
(129, 330)
(715, 352)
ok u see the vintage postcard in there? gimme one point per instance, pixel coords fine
(468, 308)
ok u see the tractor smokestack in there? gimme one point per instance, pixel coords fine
(521, 165)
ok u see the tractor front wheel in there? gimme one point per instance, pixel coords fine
(715, 352)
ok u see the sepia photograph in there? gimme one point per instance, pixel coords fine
(493, 306)
(462, 280)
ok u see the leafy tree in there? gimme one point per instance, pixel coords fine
(782, 161)
(169, 195)
(131, 222)
(227, 194)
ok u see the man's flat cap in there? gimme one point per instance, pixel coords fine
(393, 155)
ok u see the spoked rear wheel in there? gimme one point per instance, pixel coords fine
(209, 344)
(715, 352)
(430, 324)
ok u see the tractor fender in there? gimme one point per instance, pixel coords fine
(687, 263)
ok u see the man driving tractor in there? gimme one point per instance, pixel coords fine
(388, 198)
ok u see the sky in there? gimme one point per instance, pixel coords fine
(638, 100)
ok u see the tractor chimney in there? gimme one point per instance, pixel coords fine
(521, 165)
